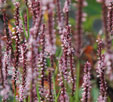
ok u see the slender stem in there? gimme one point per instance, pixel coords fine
(28, 22)
(38, 94)
(21, 16)
(77, 81)
(56, 100)
(54, 87)
(14, 96)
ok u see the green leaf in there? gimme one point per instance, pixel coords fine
(38, 94)
(48, 61)
(58, 52)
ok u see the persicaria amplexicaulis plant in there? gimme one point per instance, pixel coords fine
(43, 47)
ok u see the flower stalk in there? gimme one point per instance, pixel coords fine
(101, 74)
(86, 95)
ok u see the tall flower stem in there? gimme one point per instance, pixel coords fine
(110, 19)
(107, 35)
(50, 87)
(72, 74)
(7, 34)
(51, 32)
(79, 31)
(43, 57)
(86, 83)
(1, 70)
(33, 65)
(58, 11)
(101, 74)
(63, 96)
(17, 41)
(78, 38)
(24, 74)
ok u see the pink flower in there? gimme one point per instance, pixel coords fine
(101, 72)
(86, 83)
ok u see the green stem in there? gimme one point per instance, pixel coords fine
(28, 22)
(77, 82)
(14, 96)
(54, 87)
(56, 100)
(28, 98)
(38, 94)
(21, 16)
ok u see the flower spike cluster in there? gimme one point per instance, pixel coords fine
(86, 96)
(17, 41)
(101, 72)
(63, 95)
(79, 18)
(110, 18)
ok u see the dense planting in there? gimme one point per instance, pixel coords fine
(47, 55)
